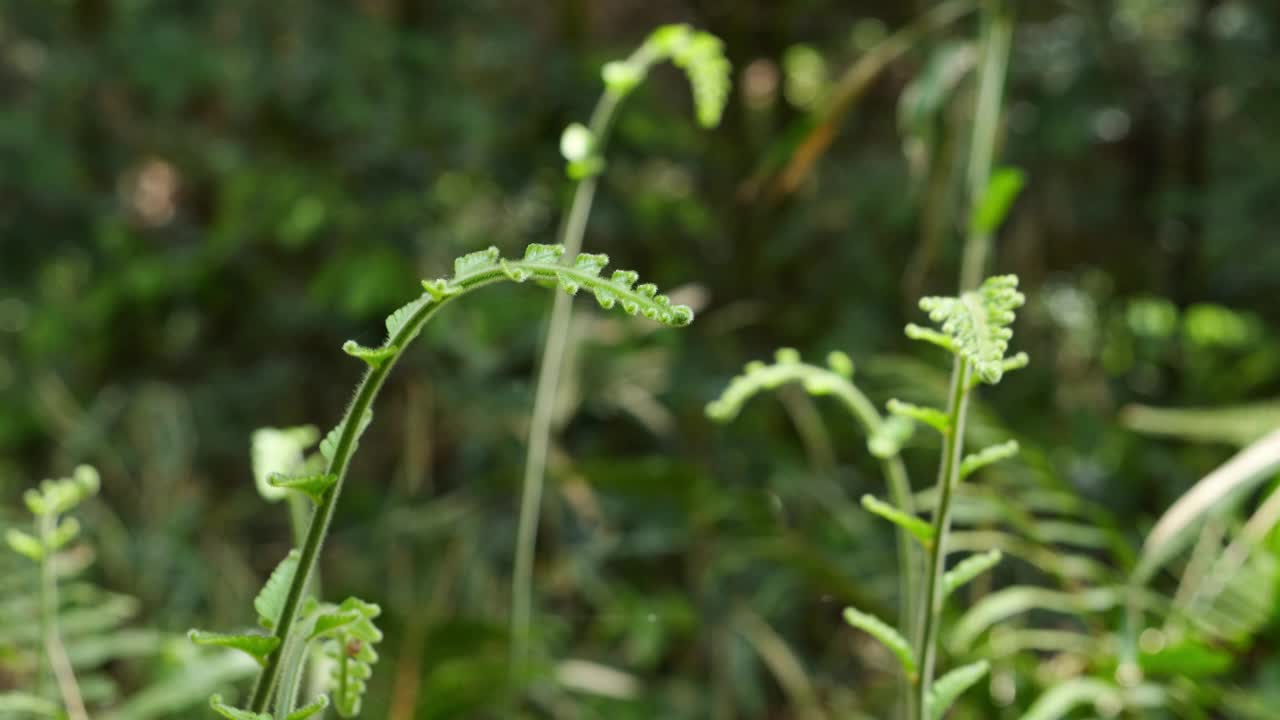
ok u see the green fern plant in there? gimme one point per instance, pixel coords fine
(974, 328)
(53, 533)
(82, 635)
(292, 620)
(701, 56)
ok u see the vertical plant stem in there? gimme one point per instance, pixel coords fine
(948, 477)
(572, 231)
(997, 37)
(63, 673)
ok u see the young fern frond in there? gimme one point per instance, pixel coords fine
(977, 324)
(757, 377)
(52, 533)
(700, 54)
(352, 637)
(885, 438)
(583, 146)
(281, 605)
(975, 327)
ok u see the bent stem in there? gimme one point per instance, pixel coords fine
(572, 231)
(404, 326)
(948, 477)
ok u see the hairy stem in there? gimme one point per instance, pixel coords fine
(948, 477)
(997, 37)
(351, 427)
(572, 230)
(54, 650)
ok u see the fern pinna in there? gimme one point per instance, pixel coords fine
(292, 619)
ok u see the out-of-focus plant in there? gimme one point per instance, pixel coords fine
(53, 533)
(701, 56)
(294, 619)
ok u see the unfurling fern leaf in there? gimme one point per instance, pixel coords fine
(700, 54)
(977, 324)
(351, 650)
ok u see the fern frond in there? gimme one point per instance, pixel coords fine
(758, 377)
(700, 54)
(351, 650)
(977, 323)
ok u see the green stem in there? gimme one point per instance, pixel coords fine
(948, 478)
(571, 234)
(351, 427)
(54, 650)
(997, 39)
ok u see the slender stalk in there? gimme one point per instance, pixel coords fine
(352, 426)
(948, 478)
(63, 673)
(997, 35)
(571, 234)
(997, 38)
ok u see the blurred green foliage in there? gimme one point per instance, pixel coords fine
(201, 200)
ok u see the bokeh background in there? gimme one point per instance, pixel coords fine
(200, 201)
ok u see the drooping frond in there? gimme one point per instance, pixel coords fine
(976, 323)
(758, 377)
(700, 54)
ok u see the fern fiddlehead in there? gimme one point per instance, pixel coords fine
(701, 56)
(283, 603)
(974, 327)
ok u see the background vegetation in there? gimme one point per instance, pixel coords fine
(201, 200)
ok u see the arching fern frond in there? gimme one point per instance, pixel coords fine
(352, 623)
(976, 323)
(700, 54)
